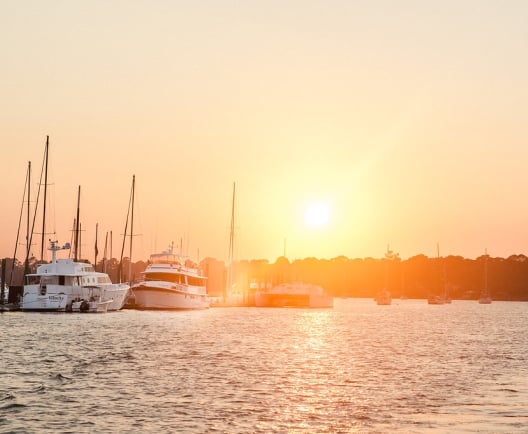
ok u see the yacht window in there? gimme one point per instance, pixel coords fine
(196, 281)
(32, 280)
(50, 280)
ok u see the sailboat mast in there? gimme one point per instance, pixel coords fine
(77, 226)
(130, 202)
(229, 284)
(486, 272)
(28, 241)
(96, 249)
(131, 228)
(45, 194)
(105, 256)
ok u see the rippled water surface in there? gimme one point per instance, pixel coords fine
(360, 367)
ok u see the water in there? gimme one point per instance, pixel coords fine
(358, 368)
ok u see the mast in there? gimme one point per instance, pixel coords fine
(486, 273)
(229, 282)
(20, 217)
(131, 228)
(96, 249)
(77, 227)
(105, 256)
(130, 205)
(44, 203)
(28, 241)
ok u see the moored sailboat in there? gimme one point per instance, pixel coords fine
(485, 297)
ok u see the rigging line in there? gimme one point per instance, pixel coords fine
(18, 231)
(36, 205)
(45, 170)
(124, 236)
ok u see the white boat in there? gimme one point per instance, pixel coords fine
(4, 297)
(383, 298)
(436, 299)
(56, 285)
(170, 283)
(93, 305)
(293, 295)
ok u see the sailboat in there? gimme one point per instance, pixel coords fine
(384, 297)
(485, 297)
(441, 297)
(233, 295)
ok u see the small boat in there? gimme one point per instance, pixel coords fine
(90, 306)
(436, 299)
(383, 298)
(4, 296)
(170, 282)
(293, 295)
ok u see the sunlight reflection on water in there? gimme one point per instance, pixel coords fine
(359, 367)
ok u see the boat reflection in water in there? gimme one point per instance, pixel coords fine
(293, 295)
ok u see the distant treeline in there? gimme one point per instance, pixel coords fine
(416, 277)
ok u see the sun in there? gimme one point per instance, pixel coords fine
(317, 214)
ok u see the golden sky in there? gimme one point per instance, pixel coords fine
(406, 119)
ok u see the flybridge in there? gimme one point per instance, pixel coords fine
(55, 248)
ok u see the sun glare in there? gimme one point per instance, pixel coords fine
(317, 214)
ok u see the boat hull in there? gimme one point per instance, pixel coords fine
(90, 306)
(60, 298)
(150, 297)
(116, 294)
(485, 300)
(293, 300)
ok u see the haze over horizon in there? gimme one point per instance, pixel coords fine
(394, 123)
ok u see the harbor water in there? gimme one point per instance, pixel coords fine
(358, 368)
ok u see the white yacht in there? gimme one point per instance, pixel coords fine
(293, 295)
(170, 283)
(58, 285)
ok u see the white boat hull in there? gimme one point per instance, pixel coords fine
(149, 297)
(90, 306)
(52, 301)
(59, 298)
(116, 294)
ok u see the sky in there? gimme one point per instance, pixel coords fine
(403, 122)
